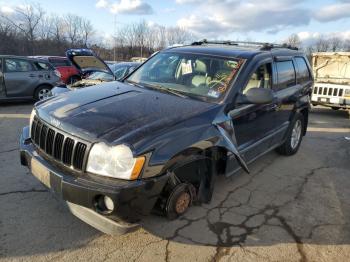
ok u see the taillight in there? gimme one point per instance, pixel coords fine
(57, 73)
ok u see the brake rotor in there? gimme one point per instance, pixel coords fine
(182, 202)
(179, 200)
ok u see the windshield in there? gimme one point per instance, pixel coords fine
(195, 75)
(101, 76)
(119, 71)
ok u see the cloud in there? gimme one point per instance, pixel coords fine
(130, 7)
(101, 4)
(333, 12)
(187, 1)
(6, 9)
(232, 16)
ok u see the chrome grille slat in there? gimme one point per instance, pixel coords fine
(62, 147)
(79, 154)
(57, 146)
(68, 151)
(328, 91)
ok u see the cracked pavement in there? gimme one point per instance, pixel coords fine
(288, 209)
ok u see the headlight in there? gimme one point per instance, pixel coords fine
(32, 115)
(347, 92)
(117, 161)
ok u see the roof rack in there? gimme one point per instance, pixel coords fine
(263, 46)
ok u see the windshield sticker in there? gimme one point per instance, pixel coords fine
(186, 67)
(231, 64)
(214, 93)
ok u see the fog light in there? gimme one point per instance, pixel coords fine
(108, 203)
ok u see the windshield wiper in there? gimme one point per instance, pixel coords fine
(168, 90)
(134, 83)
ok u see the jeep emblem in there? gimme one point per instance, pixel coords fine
(55, 122)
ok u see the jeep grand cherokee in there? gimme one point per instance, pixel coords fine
(157, 140)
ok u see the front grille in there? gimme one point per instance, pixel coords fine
(330, 91)
(58, 145)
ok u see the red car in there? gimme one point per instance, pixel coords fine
(69, 74)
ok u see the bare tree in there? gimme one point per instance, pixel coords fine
(178, 35)
(26, 19)
(322, 44)
(73, 24)
(87, 31)
(293, 40)
(335, 44)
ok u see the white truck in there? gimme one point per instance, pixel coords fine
(332, 80)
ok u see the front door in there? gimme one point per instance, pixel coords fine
(254, 124)
(2, 83)
(21, 78)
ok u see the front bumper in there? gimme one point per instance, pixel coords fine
(132, 199)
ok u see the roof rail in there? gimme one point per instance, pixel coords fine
(263, 46)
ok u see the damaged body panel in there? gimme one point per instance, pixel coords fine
(158, 140)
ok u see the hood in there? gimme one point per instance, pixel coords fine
(331, 67)
(86, 60)
(116, 112)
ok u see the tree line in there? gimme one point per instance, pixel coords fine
(321, 43)
(29, 30)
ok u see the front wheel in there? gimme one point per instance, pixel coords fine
(42, 93)
(294, 137)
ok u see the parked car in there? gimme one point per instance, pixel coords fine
(157, 140)
(26, 78)
(69, 73)
(103, 73)
(332, 80)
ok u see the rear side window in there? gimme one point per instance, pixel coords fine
(303, 70)
(285, 74)
(18, 65)
(59, 62)
(41, 66)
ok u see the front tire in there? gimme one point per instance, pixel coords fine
(42, 92)
(294, 137)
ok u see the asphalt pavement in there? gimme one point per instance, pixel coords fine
(288, 209)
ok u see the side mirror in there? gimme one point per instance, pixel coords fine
(256, 96)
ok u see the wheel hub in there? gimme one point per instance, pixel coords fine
(296, 134)
(182, 202)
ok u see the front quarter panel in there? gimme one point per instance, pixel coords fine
(195, 135)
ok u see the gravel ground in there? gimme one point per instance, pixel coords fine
(288, 209)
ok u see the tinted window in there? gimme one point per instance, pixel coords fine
(285, 74)
(59, 62)
(303, 70)
(18, 65)
(41, 66)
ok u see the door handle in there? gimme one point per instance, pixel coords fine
(31, 75)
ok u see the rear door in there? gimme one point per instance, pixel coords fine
(286, 90)
(2, 84)
(20, 76)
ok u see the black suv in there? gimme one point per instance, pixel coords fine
(157, 140)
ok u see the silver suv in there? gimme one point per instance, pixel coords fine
(26, 78)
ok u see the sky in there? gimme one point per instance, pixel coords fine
(257, 20)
